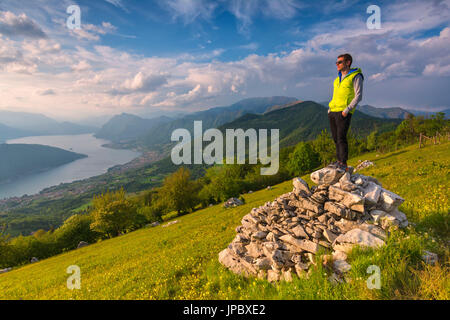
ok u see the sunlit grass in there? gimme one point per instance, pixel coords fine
(180, 261)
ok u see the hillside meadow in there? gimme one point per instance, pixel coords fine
(181, 261)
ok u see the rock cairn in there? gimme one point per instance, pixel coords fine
(282, 237)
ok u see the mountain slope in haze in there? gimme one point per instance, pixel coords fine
(23, 159)
(38, 124)
(427, 114)
(301, 122)
(385, 113)
(127, 126)
(273, 108)
(159, 136)
(7, 133)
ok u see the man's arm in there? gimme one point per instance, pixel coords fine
(358, 87)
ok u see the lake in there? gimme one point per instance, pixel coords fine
(98, 161)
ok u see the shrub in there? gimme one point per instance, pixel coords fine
(303, 159)
(75, 229)
(112, 213)
(179, 191)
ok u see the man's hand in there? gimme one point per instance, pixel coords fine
(344, 114)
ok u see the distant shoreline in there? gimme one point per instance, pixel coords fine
(94, 146)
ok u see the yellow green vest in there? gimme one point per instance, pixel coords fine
(343, 92)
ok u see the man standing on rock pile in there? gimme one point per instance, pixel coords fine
(347, 93)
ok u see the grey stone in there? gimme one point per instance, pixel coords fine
(326, 175)
(429, 257)
(300, 185)
(360, 237)
(377, 215)
(240, 238)
(169, 223)
(364, 164)
(236, 264)
(389, 200)
(304, 245)
(341, 266)
(338, 209)
(263, 263)
(82, 244)
(330, 236)
(312, 206)
(238, 248)
(232, 202)
(350, 200)
(5, 270)
(273, 276)
(339, 255)
(299, 232)
(388, 221)
(259, 235)
(372, 192)
(286, 276)
(254, 250)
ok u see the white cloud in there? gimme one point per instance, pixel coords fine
(245, 11)
(189, 10)
(47, 92)
(90, 78)
(19, 25)
(83, 65)
(118, 4)
(141, 83)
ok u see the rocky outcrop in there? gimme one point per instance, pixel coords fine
(363, 164)
(82, 244)
(283, 237)
(5, 270)
(169, 223)
(232, 202)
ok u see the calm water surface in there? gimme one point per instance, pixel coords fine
(98, 161)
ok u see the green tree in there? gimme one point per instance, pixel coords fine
(5, 249)
(303, 159)
(372, 140)
(224, 181)
(112, 213)
(39, 233)
(324, 146)
(179, 192)
(75, 229)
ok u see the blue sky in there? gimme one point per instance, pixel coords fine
(186, 55)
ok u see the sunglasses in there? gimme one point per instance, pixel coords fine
(339, 62)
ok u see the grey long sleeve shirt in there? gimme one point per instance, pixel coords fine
(358, 88)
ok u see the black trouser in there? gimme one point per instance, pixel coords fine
(339, 128)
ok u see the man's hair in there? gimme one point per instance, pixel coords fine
(346, 57)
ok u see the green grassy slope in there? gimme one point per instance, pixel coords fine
(180, 261)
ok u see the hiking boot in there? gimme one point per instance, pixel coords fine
(333, 164)
(342, 166)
